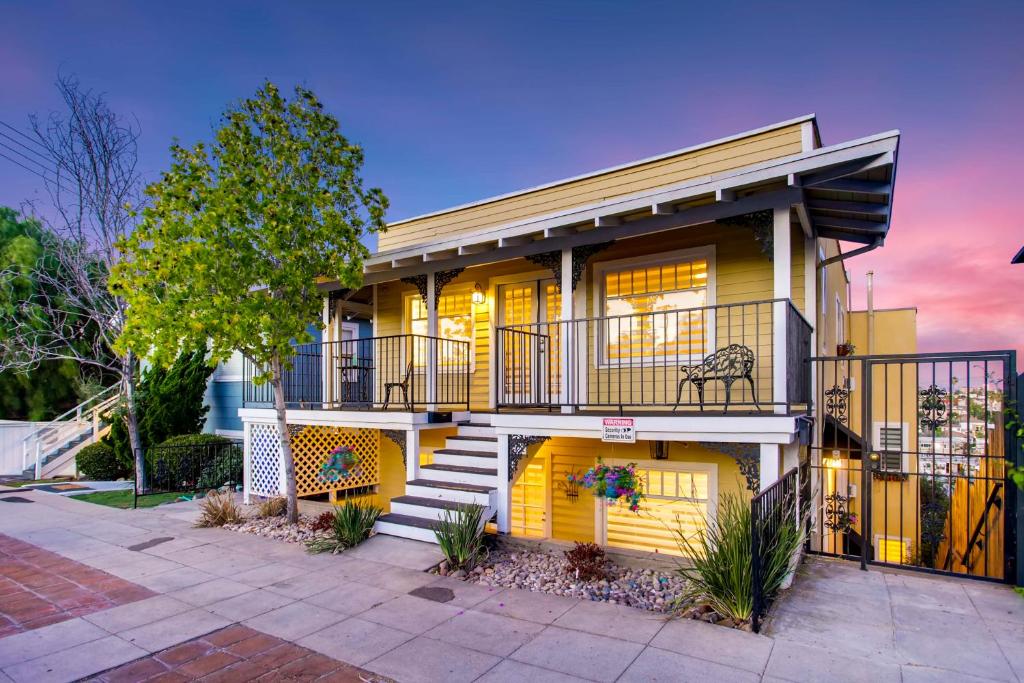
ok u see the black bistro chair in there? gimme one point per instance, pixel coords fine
(734, 362)
(402, 386)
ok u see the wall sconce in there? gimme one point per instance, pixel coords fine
(659, 450)
(835, 462)
(478, 294)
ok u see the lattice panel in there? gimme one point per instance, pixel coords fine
(312, 445)
(265, 460)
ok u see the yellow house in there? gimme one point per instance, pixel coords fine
(662, 312)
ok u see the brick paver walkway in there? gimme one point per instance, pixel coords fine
(237, 653)
(39, 588)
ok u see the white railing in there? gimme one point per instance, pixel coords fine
(66, 427)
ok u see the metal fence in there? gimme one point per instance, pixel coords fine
(770, 510)
(403, 372)
(713, 358)
(188, 468)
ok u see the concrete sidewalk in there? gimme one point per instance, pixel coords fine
(357, 608)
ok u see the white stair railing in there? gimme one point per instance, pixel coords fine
(66, 427)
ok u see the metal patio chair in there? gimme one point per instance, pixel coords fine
(402, 386)
(734, 362)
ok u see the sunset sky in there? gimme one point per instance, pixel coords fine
(455, 102)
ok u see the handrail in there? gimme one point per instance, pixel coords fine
(77, 410)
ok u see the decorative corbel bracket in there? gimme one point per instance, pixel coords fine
(441, 280)
(518, 445)
(552, 260)
(763, 225)
(746, 455)
(397, 437)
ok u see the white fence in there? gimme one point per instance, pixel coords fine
(11, 434)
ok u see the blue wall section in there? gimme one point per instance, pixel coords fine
(225, 399)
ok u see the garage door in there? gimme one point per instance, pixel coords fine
(675, 500)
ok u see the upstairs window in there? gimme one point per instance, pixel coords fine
(656, 309)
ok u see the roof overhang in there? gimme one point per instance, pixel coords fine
(1019, 258)
(842, 192)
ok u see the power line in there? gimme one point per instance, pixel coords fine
(33, 172)
(22, 134)
(27, 157)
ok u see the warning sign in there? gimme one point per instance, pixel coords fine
(618, 430)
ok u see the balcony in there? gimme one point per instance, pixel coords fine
(736, 358)
(405, 372)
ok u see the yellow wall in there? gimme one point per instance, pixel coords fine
(719, 158)
(575, 520)
(743, 274)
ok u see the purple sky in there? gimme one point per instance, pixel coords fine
(457, 103)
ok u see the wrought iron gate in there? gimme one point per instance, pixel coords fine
(907, 464)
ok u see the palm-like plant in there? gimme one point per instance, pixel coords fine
(460, 534)
(351, 525)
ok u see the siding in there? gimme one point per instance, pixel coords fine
(678, 168)
(225, 398)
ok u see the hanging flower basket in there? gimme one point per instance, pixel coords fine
(612, 483)
(341, 464)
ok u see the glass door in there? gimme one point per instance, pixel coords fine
(531, 347)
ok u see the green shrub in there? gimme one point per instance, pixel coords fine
(460, 533)
(721, 574)
(98, 461)
(351, 525)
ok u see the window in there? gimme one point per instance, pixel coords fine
(675, 500)
(840, 323)
(657, 310)
(454, 321)
(890, 446)
(891, 549)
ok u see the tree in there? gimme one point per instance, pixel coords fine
(52, 387)
(93, 188)
(168, 402)
(237, 232)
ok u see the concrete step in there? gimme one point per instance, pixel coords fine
(483, 444)
(449, 491)
(452, 456)
(476, 430)
(405, 526)
(425, 508)
(481, 476)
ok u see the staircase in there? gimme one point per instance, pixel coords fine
(50, 450)
(464, 471)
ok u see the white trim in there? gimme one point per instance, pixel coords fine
(234, 377)
(363, 419)
(609, 169)
(602, 268)
(230, 433)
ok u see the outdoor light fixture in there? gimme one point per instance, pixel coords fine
(835, 462)
(478, 294)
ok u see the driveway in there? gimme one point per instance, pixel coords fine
(239, 604)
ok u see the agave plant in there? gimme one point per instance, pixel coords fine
(460, 534)
(351, 525)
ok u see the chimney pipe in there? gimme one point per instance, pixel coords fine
(871, 312)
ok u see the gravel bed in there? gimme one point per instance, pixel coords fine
(278, 529)
(545, 572)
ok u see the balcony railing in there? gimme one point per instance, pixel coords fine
(399, 372)
(743, 357)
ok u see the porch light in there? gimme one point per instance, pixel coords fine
(478, 294)
(835, 462)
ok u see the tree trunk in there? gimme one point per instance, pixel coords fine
(286, 440)
(132, 422)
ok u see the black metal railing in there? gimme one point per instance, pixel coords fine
(191, 467)
(397, 372)
(770, 511)
(712, 358)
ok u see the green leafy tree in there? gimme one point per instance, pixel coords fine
(237, 232)
(168, 402)
(53, 386)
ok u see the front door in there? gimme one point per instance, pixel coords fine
(529, 312)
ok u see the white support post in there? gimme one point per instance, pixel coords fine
(432, 348)
(782, 289)
(504, 486)
(790, 455)
(282, 477)
(769, 472)
(811, 306)
(39, 461)
(327, 357)
(568, 338)
(412, 454)
(246, 462)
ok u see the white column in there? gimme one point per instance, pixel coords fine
(246, 462)
(568, 333)
(769, 473)
(504, 486)
(326, 356)
(782, 289)
(811, 305)
(790, 455)
(431, 344)
(412, 454)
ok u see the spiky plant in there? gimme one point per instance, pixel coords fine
(218, 509)
(460, 534)
(351, 525)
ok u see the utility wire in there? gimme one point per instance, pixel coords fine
(27, 157)
(33, 172)
(27, 137)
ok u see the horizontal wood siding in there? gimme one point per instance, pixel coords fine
(679, 168)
